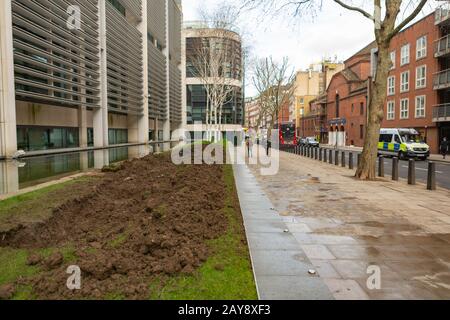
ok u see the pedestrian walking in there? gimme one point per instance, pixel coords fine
(250, 147)
(444, 147)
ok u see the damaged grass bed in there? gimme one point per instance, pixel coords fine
(149, 230)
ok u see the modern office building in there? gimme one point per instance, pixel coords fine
(197, 36)
(88, 73)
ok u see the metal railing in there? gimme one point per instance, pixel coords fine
(442, 13)
(442, 46)
(441, 111)
(442, 80)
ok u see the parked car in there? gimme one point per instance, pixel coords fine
(302, 142)
(311, 142)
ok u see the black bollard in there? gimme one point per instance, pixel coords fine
(431, 181)
(359, 158)
(343, 162)
(320, 154)
(350, 161)
(330, 156)
(316, 153)
(395, 169)
(412, 172)
(381, 167)
(325, 155)
(336, 157)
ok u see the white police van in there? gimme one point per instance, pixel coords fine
(402, 143)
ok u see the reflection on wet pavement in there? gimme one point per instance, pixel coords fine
(344, 226)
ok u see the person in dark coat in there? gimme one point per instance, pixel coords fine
(444, 147)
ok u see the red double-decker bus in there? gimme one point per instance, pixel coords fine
(287, 133)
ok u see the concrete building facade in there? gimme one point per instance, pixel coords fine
(198, 35)
(91, 73)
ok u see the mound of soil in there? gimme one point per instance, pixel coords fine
(149, 218)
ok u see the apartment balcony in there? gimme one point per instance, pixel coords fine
(441, 113)
(442, 80)
(442, 14)
(442, 47)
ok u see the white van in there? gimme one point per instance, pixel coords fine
(402, 143)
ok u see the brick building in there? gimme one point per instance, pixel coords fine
(252, 112)
(347, 100)
(411, 93)
(315, 124)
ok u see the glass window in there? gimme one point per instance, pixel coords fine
(117, 136)
(421, 47)
(421, 77)
(34, 138)
(392, 54)
(90, 137)
(404, 84)
(386, 138)
(116, 4)
(391, 85)
(405, 54)
(404, 109)
(391, 110)
(420, 106)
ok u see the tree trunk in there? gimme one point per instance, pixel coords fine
(377, 97)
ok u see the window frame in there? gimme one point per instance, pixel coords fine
(402, 110)
(404, 86)
(404, 60)
(422, 49)
(389, 87)
(424, 78)
(393, 56)
(424, 108)
(390, 114)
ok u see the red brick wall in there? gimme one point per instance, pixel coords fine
(424, 125)
(283, 115)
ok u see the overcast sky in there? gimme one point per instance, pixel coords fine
(332, 32)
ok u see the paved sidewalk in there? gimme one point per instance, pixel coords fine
(343, 226)
(280, 265)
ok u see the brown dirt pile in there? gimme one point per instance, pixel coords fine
(149, 218)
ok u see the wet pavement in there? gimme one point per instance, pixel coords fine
(343, 226)
(280, 265)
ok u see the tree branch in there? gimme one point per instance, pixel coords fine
(348, 7)
(407, 20)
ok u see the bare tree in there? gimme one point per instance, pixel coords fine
(275, 84)
(385, 28)
(216, 59)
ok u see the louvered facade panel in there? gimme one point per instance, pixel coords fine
(52, 63)
(124, 60)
